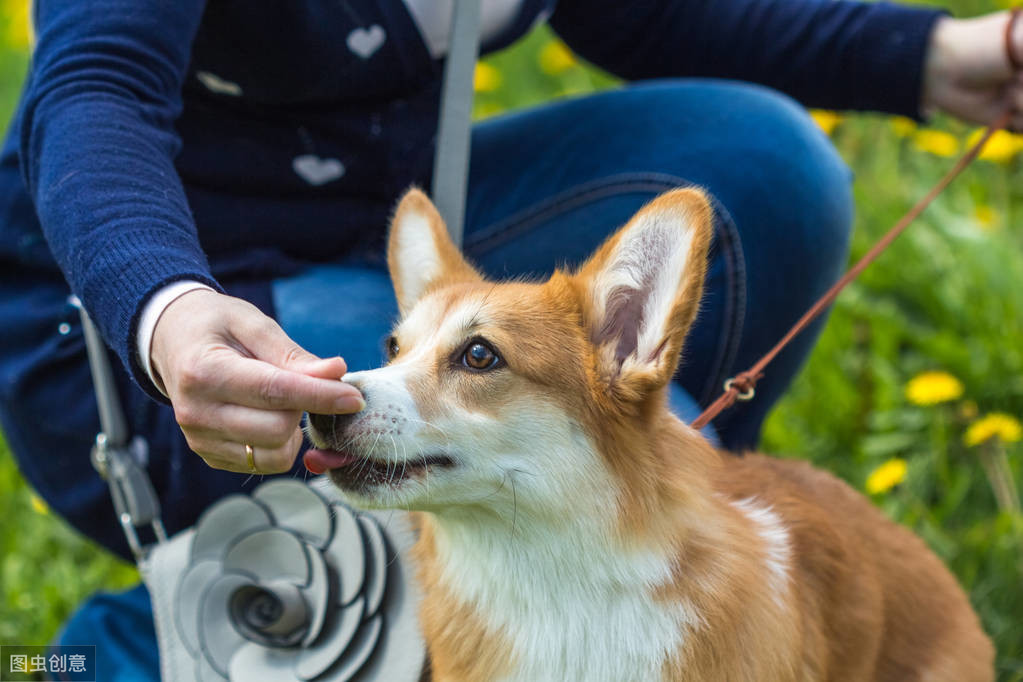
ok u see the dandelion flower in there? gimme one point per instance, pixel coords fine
(555, 58)
(931, 388)
(936, 142)
(886, 476)
(19, 26)
(486, 78)
(1001, 148)
(1004, 427)
(826, 120)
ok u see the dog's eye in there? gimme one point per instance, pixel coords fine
(392, 347)
(479, 355)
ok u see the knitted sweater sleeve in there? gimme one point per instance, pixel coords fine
(838, 54)
(97, 145)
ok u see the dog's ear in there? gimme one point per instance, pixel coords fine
(643, 288)
(420, 253)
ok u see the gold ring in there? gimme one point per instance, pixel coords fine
(250, 456)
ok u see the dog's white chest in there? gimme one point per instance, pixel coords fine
(579, 639)
(570, 614)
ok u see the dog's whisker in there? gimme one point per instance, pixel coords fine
(366, 460)
(426, 471)
(500, 486)
(432, 426)
(394, 448)
(404, 460)
(515, 503)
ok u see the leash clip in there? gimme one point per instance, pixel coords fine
(745, 395)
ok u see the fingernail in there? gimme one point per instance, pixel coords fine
(350, 404)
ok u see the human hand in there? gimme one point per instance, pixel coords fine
(236, 379)
(967, 71)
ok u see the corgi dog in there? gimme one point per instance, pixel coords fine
(571, 528)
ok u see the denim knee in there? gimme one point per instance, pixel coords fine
(789, 195)
(759, 152)
(808, 176)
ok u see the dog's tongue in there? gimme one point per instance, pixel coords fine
(318, 461)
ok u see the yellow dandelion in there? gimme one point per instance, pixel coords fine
(19, 26)
(931, 388)
(886, 476)
(1001, 148)
(39, 506)
(902, 126)
(986, 216)
(555, 58)
(826, 120)
(936, 142)
(1004, 427)
(486, 78)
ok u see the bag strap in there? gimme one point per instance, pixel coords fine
(116, 456)
(454, 131)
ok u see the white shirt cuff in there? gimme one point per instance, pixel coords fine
(151, 313)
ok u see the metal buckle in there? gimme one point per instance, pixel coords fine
(744, 395)
(119, 459)
(135, 501)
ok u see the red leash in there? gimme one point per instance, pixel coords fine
(742, 385)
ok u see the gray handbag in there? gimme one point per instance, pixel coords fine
(287, 584)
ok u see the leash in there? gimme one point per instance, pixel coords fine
(742, 387)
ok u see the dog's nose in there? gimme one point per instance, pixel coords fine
(324, 423)
(333, 424)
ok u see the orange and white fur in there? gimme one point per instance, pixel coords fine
(572, 529)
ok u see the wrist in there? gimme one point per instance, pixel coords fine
(164, 335)
(965, 55)
(938, 62)
(151, 313)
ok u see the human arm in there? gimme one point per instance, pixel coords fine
(97, 144)
(836, 54)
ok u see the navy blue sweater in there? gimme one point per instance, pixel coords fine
(159, 140)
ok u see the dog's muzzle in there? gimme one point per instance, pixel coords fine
(331, 427)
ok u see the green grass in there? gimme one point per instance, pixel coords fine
(948, 296)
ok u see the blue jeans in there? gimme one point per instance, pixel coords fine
(547, 186)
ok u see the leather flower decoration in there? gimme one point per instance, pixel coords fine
(288, 587)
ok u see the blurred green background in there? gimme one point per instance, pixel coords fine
(913, 395)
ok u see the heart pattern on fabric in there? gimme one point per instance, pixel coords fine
(364, 42)
(215, 83)
(317, 171)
